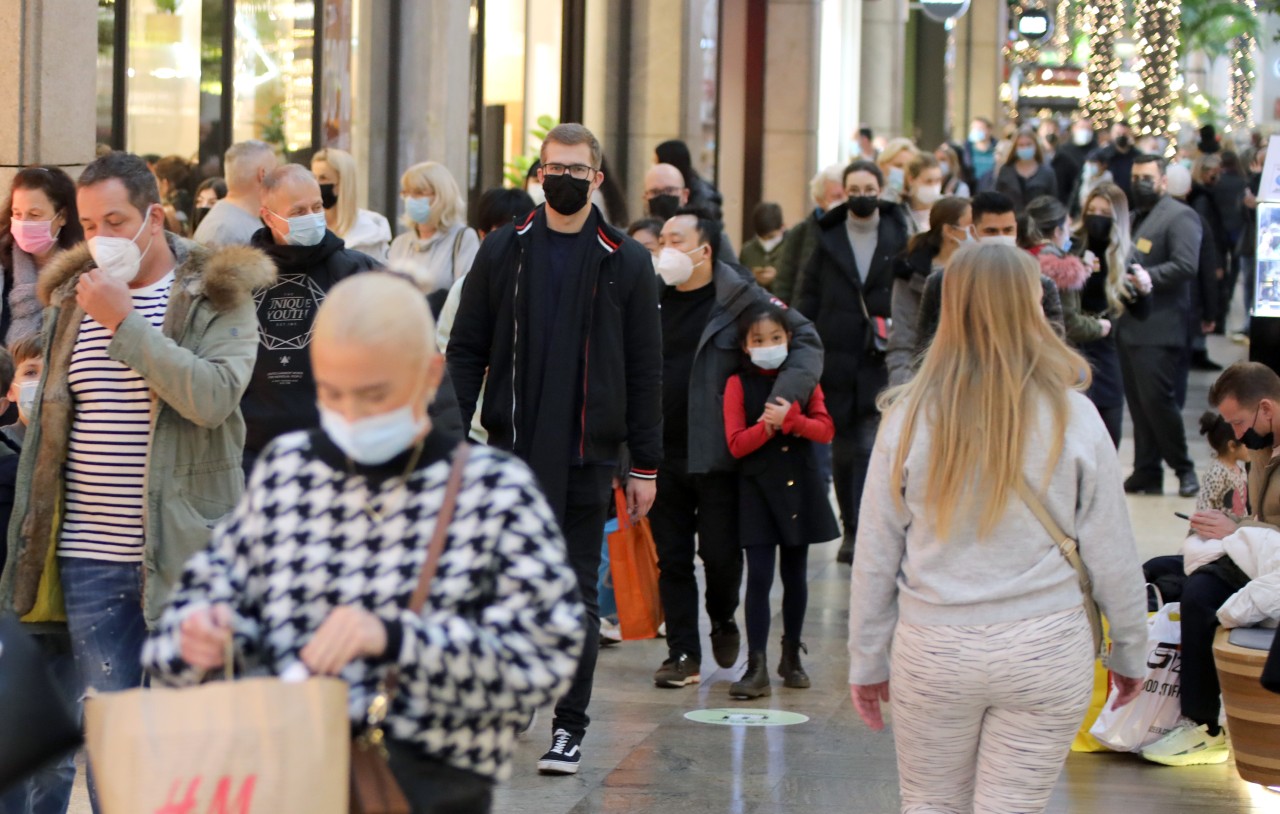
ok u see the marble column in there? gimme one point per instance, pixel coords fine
(979, 65)
(791, 105)
(882, 87)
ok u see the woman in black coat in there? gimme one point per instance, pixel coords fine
(1026, 176)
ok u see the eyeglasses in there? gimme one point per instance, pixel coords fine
(580, 172)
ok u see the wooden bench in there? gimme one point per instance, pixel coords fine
(1253, 714)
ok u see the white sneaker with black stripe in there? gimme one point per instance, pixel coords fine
(564, 755)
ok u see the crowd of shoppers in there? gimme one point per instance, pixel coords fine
(189, 404)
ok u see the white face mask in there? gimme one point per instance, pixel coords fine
(968, 235)
(929, 195)
(535, 191)
(768, 358)
(376, 439)
(27, 398)
(676, 267)
(999, 240)
(119, 257)
(771, 244)
(1081, 137)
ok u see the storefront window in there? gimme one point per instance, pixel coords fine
(274, 74)
(163, 77)
(106, 70)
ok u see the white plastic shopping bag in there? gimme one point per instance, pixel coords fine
(1157, 708)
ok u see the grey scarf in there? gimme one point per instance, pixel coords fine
(25, 310)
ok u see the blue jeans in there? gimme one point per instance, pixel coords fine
(48, 791)
(608, 602)
(104, 618)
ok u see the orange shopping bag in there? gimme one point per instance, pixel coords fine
(633, 562)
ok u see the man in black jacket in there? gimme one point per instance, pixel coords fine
(310, 259)
(698, 480)
(561, 309)
(847, 290)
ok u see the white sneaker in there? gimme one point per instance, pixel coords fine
(610, 631)
(1189, 744)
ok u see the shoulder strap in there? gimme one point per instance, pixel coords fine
(457, 247)
(441, 533)
(1065, 543)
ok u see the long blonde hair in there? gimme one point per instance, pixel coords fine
(344, 167)
(1118, 249)
(994, 364)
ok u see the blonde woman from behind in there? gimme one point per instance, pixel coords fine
(992, 655)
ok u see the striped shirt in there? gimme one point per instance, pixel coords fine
(107, 456)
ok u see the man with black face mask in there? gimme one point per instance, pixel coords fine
(1118, 156)
(561, 310)
(665, 193)
(1248, 397)
(1166, 244)
(847, 290)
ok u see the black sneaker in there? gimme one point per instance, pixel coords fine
(564, 755)
(677, 671)
(726, 643)
(1137, 484)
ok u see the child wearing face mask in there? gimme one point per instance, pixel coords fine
(762, 252)
(924, 189)
(782, 501)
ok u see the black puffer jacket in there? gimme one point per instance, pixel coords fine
(833, 294)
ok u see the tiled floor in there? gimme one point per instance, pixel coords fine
(641, 755)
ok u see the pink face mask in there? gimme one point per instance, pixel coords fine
(33, 236)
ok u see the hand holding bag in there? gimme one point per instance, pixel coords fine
(35, 724)
(374, 789)
(1071, 553)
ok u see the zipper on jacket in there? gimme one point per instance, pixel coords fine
(515, 341)
(586, 370)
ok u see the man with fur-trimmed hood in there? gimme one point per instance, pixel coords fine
(134, 448)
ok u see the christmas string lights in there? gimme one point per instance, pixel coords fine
(1102, 25)
(1157, 60)
(1243, 78)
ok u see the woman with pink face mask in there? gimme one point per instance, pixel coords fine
(38, 221)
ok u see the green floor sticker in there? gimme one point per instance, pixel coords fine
(746, 717)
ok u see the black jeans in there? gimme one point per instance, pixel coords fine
(434, 787)
(1151, 377)
(850, 460)
(705, 505)
(1113, 418)
(1202, 596)
(583, 528)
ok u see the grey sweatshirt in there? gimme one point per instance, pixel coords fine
(902, 571)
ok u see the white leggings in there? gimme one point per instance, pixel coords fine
(983, 716)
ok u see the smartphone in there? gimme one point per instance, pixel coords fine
(1183, 516)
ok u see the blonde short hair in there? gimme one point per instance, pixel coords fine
(894, 148)
(449, 209)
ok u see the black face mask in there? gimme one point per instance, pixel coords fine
(328, 195)
(664, 207)
(566, 194)
(863, 206)
(1123, 143)
(199, 215)
(1145, 194)
(1256, 441)
(1098, 228)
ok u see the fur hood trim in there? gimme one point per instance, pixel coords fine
(1068, 273)
(226, 276)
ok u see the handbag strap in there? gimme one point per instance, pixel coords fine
(1066, 544)
(443, 519)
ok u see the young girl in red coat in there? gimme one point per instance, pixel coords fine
(782, 505)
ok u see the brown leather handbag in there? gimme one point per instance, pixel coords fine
(374, 789)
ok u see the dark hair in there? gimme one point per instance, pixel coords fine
(1043, 215)
(991, 203)
(58, 187)
(128, 169)
(217, 184)
(676, 153)
(766, 218)
(499, 206)
(708, 228)
(759, 313)
(176, 170)
(532, 174)
(1231, 162)
(1147, 158)
(614, 200)
(1246, 382)
(651, 225)
(862, 165)
(30, 346)
(151, 158)
(1122, 123)
(1217, 432)
(6, 370)
(945, 212)
(866, 133)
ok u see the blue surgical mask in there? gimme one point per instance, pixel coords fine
(418, 209)
(1026, 153)
(1066, 244)
(305, 230)
(768, 358)
(27, 398)
(945, 166)
(376, 439)
(976, 135)
(897, 179)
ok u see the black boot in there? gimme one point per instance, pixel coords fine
(755, 681)
(845, 554)
(789, 666)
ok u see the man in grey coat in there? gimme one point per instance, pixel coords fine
(1166, 242)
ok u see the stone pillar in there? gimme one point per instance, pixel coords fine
(791, 105)
(884, 25)
(979, 65)
(656, 82)
(48, 53)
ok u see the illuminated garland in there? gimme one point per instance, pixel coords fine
(1157, 59)
(1103, 23)
(1243, 78)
